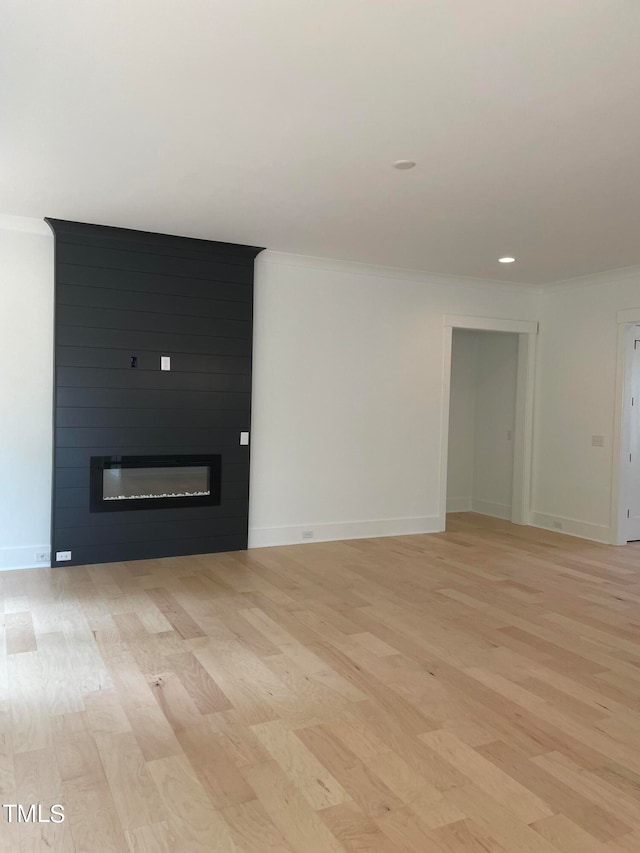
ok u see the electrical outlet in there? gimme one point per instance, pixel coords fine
(557, 525)
(43, 556)
(62, 556)
(597, 441)
(307, 534)
(165, 362)
(244, 438)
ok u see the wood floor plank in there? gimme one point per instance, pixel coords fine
(204, 691)
(465, 836)
(567, 836)
(20, 633)
(175, 614)
(356, 779)
(591, 816)
(497, 821)
(355, 830)
(134, 794)
(38, 781)
(151, 838)
(414, 790)
(220, 777)
(311, 776)
(290, 811)
(476, 691)
(502, 787)
(252, 829)
(196, 827)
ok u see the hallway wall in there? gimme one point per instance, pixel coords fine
(481, 422)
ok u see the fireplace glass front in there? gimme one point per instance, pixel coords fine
(146, 482)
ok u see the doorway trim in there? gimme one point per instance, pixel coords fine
(628, 317)
(527, 332)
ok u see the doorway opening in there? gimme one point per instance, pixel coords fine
(629, 491)
(482, 413)
(487, 417)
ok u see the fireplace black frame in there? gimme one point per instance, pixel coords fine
(97, 503)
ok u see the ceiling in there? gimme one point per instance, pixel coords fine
(275, 124)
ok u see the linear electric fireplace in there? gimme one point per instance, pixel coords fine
(148, 482)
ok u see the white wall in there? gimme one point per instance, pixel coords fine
(481, 417)
(347, 395)
(26, 381)
(497, 369)
(348, 365)
(575, 399)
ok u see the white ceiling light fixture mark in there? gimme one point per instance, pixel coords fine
(506, 260)
(404, 164)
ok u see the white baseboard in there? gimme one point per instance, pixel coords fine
(458, 504)
(573, 527)
(483, 507)
(492, 508)
(22, 558)
(263, 537)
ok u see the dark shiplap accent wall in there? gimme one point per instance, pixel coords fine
(121, 293)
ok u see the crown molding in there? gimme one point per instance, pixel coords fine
(594, 280)
(398, 273)
(32, 225)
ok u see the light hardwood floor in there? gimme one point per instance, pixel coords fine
(475, 691)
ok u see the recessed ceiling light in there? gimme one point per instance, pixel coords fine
(404, 164)
(506, 260)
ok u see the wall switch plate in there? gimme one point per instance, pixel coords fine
(165, 362)
(43, 556)
(244, 438)
(307, 534)
(597, 441)
(61, 556)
